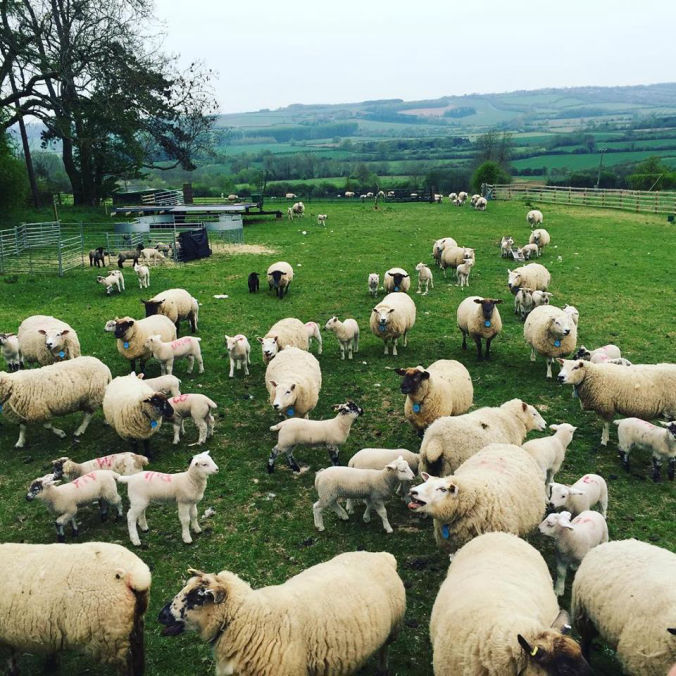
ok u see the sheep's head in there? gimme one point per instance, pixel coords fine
(331, 323)
(276, 277)
(552, 525)
(348, 408)
(514, 280)
(54, 338)
(582, 353)
(57, 466)
(151, 341)
(671, 426)
(269, 346)
(572, 312)
(487, 307)
(413, 378)
(158, 405)
(152, 306)
(560, 326)
(434, 495)
(122, 327)
(530, 416)
(203, 463)
(285, 396)
(402, 469)
(4, 338)
(572, 371)
(383, 313)
(39, 485)
(398, 277)
(420, 266)
(559, 494)
(231, 341)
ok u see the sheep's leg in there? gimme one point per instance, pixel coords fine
(382, 513)
(193, 323)
(210, 425)
(419, 287)
(333, 455)
(200, 363)
(356, 343)
(103, 509)
(142, 522)
(367, 512)
(349, 506)
(291, 460)
(184, 518)
(232, 368)
(624, 457)
(116, 500)
(342, 351)
(406, 338)
(587, 632)
(194, 524)
(247, 361)
(381, 669)
(488, 347)
(657, 469)
(60, 535)
(532, 354)
(394, 347)
(605, 435)
(320, 347)
(177, 432)
(83, 425)
(59, 433)
(317, 515)
(561, 569)
(550, 361)
(477, 340)
(349, 350)
(271, 460)
(202, 428)
(132, 516)
(670, 469)
(22, 437)
(142, 365)
(464, 340)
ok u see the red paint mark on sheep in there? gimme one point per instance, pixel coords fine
(150, 476)
(105, 461)
(180, 398)
(81, 481)
(180, 342)
(587, 479)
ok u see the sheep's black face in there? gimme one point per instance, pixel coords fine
(582, 353)
(161, 404)
(487, 305)
(277, 277)
(349, 407)
(398, 276)
(172, 627)
(34, 490)
(121, 328)
(57, 468)
(152, 306)
(412, 379)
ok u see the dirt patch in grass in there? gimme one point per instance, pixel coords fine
(235, 249)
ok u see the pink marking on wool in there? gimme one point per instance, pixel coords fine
(83, 479)
(150, 476)
(499, 464)
(180, 398)
(604, 357)
(587, 479)
(105, 461)
(311, 324)
(579, 521)
(180, 342)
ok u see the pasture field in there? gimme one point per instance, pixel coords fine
(263, 528)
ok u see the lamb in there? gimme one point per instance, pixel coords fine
(289, 213)
(134, 411)
(331, 433)
(452, 256)
(114, 279)
(549, 452)
(301, 626)
(534, 276)
(530, 251)
(506, 244)
(393, 318)
(38, 395)
(348, 193)
(132, 334)
(622, 592)
(121, 463)
(293, 380)
(451, 440)
(347, 333)
(541, 238)
(11, 351)
(462, 272)
(151, 255)
(641, 391)
(199, 408)
(321, 219)
(585, 493)
(424, 278)
(167, 384)
(298, 209)
(551, 333)
(370, 485)
(127, 255)
(523, 302)
(164, 248)
(97, 257)
(496, 613)
(143, 274)
(574, 539)
(499, 488)
(396, 279)
(289, 332)
(313, 332)
(543, 298)
(378, 458)
(479, 318)
(462, 196)
(439, 246)
(452, 196)
(641, 434)
(481, 204)
(534, 217)
(186, 489)
(45, 340)
(280, 276)
(166, 353)
(88, 597)
(374, 282)
(64, 499)
(572, 312)
(444, 388)
(599, 355)
(239, 353)
(253, 282)
(177, 304)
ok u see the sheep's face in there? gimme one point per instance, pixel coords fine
(204, 464)
(39, 485)
(558, 495)
(152, 306)
(671, 426)
(487, 307)
(419, 267)
(398, 277)
(374, 280)
(269, 347)
(413, 378)
(428, 497)
(572, 371)
(583, 353)
(331, 324)
(276, 276)
(151, 341)
(285, 395)
(122, 326)
(552, 525)
(57, 467)
(160, 405)
(231, 342)
(348, 408)
(551, 652)
(54, 339)
(513, 280)
(382, 316)
(402, 469)
(560, 326)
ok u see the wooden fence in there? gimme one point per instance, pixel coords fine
(662, 202)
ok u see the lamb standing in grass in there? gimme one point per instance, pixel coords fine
(452, 256)
(284, 333)
(186, 489)
(396, 279)
(463, 271)
(45, 340)
(425, 278)
(551, 333)
(585, 493)
(370, 485)
(533, 276)
(11, 351)
(113, 280)
(481, 204)
(549, 452)
(199, 408)
(131, 335)
(479, 317)
(506, 244)
(393, 318)
(634, 432)
(313, 333)
(143, 274)
(540, 237)
(293, 380)
(534, 217)
(187, 347)
(239, 353)
(321, 219)
(373, 282)
(177, 304)
(377, 458)
(169, 385)
(121, 463)
(347, 333)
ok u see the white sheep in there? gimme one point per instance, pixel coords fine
(396, 279)
(534, 217)
(284, 333)
(452, 196)
(529, 251)
(187, 347)
(280, 276)
(523, 302)
(599, 355)
(186, 489)
(393, 318)
(313, 333)
(290, 196)
(239, 353)
(572, 312)
(551, 333)
(549, 452)
(131, 335)
(480, 204)
(293, 380)
(462, 196)
(543, 297)
(44, 340)
(506, 244)
(463, 271)
(479, 318)
(641, 390)
(374, 283)
(452, 256)
(114, 280)
(438, 247)
(298, 209)
(64, 499)
(425, 278)
(378, 458)
(588, 491)
(87, 597)
(634, 432)
(331, 433)
(167, 384)
(11, 351)
(289, 213)
(177, 304)
(370, 485)
(496, 613)
(574, 539)
(199, 408)
(143, 274)
(300, 627)
(121, 463)
(540, 237)
(38, 395)
(321, 219)
(151, 255)
(347, 333)
(534, 276)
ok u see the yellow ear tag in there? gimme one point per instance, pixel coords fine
(534, 652)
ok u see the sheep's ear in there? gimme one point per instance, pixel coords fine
(273, 383)
(42, 331)
(259, 339)
(553, 427)
(402, 372)
(425, 375)
(293, 387)
(524, 644)
(196, 573)
(217, 594)
(424, 476)
(478, 300)
(64, 332)
(562, 622)
(497, 301)
(524, 406)
(404, 276)
(559, 360)
(672, 630)
(391, 310)
(664, 423)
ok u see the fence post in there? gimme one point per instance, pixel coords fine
(82, 258)
(2, 256)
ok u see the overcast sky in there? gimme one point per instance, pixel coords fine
(271, 54)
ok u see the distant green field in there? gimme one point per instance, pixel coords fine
(591, 160)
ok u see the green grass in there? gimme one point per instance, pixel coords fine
(591, 160)
(263, 527)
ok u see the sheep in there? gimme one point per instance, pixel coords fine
(45, 340)
(127, 255)
(164, 248)
(425, 278)
(450, 440)
(134, 410)
(347, 333)
(541, 238)
(641, 434)
(473, 199)
(151, 255)
(38, 395)
(195, 406)
(641, 390)
(321, 219)
(506, 244)
(280, 276)
(186, 489)
(298, 209)
(233, 197)
(396, 279)
(543, 298)
(479, 318)
(370, 485)
(166, 353)
(551, 333)
(462, 272)
(517, 255)
(585, 493)
(293, 380)
(439, 245)
(143, 274)
(499, 488)
(11, 351)
(88, 597)
(348, 193)
(373, 282)
(452, 256)
(132, 334)
(301, 626)
(534, 276)
(97, 257)
(481, 204)
(443, 388)
(496, 613)
(549, 452)
(523, 302)
(331, 433)
(529, 251)
(534, 217)
(393, 318)
(289, 213)
(452, 196)
(253, 282)
(462, 196)
(239, 353)
(64, 499)
(289, 332)
(290, 196)
(574, 539)
(167, 384)
(622, 592)
(313, 332)
(121, 463)
(113, 280)
(572, 312)
(599, 355)
(177, 304)
(377, 458)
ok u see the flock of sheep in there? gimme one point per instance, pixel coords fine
(483, 486)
